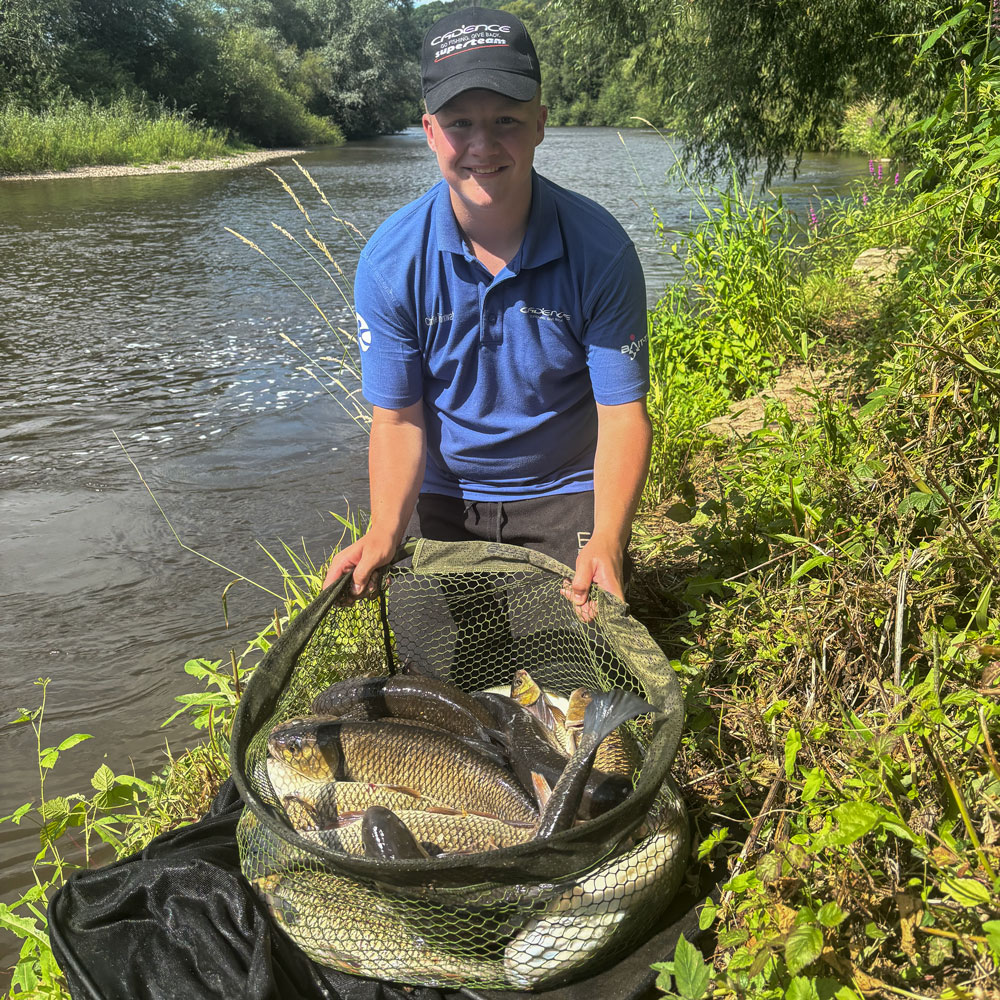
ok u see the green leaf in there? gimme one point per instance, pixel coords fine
(790, 539)
(664, 971)
(830, 915)
(24, 928)
(942, 28)
(815, 780)
(802, 988)
(17, 815)
(793, 743)
(939, 950)
(966, 891)
(916, 501)
(71, 741)
(808, 566)
(709, 844)
(845, 993)
(802, 947)
(103, 779)
(873, 406)
(854, 820)
(691, 972)
(707, 915)
(54, 808)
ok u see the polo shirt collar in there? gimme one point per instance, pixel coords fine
(542, 242)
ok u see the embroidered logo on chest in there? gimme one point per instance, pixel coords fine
(553, 314)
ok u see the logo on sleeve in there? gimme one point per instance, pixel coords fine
(364, 334)
(633, 347)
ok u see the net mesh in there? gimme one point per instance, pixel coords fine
(529, 913)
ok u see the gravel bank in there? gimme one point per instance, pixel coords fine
(233, 162)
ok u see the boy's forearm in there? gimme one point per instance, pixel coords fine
(621, 465)
(396, 458)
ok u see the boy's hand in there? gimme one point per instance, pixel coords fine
(369, 553)
(600, 563)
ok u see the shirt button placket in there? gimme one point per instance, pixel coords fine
(491, 322)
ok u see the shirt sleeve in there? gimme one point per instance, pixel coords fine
(616, 337)
(391, 361)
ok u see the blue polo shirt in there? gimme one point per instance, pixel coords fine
(508, 367)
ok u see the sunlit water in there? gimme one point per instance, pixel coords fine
(127, 309)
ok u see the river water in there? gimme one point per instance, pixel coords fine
(127, 309)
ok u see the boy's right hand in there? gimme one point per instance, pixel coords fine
(369, 553)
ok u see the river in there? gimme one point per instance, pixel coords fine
(127, 308)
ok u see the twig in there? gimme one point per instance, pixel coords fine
(751, 841)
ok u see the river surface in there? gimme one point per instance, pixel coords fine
(127, 309)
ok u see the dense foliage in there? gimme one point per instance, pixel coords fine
(765, 80)
(271, 71)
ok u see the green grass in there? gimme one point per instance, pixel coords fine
(81, 134)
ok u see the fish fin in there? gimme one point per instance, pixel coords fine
(609, 709)
(416, 793)
(541, 787)
(443, 810)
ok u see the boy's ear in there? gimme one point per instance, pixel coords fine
(543, 114)
(428, 124)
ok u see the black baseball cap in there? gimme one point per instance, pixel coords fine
(478, 48)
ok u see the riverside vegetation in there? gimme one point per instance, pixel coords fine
(80, 134)
(826, 585)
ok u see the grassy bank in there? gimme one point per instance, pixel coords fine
(80, 134)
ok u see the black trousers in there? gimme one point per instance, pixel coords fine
(482, 631)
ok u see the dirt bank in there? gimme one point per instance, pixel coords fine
(233, 162)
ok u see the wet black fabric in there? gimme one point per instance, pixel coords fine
(179, 920)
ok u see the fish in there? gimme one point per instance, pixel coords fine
(533, 755)
(618, 753)
(411, 696)
(340, 923)
(636, 885)
(546, 706)
(386, 837)
(333, 803)
(606, 711)
(437, 832)
(432, 762)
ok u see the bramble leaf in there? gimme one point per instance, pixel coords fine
(802, 947)
(691, 972)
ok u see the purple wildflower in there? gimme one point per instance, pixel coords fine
(897, 172)
(871, 166)
(864, 199)
(880, 171)
(813, 221)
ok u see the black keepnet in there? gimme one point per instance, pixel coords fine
(178, 921)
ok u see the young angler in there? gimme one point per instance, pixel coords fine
(503, 334)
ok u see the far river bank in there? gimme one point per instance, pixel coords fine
(236, 161)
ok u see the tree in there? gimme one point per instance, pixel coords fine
(33, 37)
(372, 57)
(764, 80)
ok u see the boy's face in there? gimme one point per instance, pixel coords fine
(485, 146)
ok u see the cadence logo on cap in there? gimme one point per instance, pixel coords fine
(468, 36)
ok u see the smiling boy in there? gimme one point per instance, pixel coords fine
(502, 326)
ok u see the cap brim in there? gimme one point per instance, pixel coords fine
(514, 85)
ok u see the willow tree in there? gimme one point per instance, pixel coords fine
(761, 81)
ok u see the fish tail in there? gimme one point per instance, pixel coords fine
(609, 709)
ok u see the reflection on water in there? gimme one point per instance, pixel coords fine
(126, 307)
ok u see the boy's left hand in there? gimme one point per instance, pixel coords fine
(600, 563)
